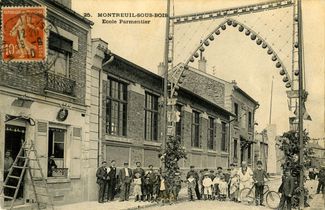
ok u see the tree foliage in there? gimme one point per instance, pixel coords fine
(290, 145)
(171, 155)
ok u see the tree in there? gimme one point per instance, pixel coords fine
(290, 145)
(171, 155)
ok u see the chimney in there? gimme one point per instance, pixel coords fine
(161, 69)
(202, 64)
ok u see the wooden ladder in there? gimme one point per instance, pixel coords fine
(30, 156)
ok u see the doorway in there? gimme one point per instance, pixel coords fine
(14, 138)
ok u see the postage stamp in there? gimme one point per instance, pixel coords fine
(23, 35)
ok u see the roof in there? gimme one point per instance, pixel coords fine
(236, 87)
(207, 101)
(246, 95)
(71, 12)
(117, 57)
(139, 68)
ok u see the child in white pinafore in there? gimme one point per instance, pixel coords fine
(137, 187)
(207, 186)
(223, 189)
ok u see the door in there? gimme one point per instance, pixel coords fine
(14, 138)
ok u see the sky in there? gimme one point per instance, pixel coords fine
(231, 56)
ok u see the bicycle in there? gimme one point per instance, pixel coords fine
(272, 198)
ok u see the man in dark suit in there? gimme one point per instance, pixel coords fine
(125, 178)
(321, 181)
(286, 191)
(196, 177)
(112, 181)
(102, 178)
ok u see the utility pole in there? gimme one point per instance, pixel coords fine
(164, 137)
(271, 102)
(301, 105)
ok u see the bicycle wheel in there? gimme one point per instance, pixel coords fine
(272, 199)
(247, 195)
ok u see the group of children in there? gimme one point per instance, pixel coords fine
(214, 186)
(147, 187)
(153, 187)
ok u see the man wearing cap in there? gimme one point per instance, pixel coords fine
(102, 178)
(258, 176)
(196, 177)
(125, 178)
(286, 190)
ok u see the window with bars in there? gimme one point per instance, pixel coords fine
(211, 134)
(151, 117)
(196, 129)
(223, 137)
(116, 108)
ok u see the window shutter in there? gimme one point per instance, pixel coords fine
(75, 154)
(41, 145)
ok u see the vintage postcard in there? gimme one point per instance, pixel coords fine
(162, 104)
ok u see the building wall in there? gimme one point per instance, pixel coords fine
(80, 151)
(134, 147)
(240, 129)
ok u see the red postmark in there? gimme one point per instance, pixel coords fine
(23, 32)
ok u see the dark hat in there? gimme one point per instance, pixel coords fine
(206, 169)
(104, 161)
(211, 171)
(192, 166)
(126, 163)
(219, 167)
(259, 162)
(228, 169)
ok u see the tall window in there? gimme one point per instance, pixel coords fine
(59, 53)
(250, 125)
(211, 133)
(235, 149)
(243, 120)
(116, 108)
(236, 110)
(223, 137)
(179, 123)
(196, 129)
(56, 145)
(151, 117)
(249, 152)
